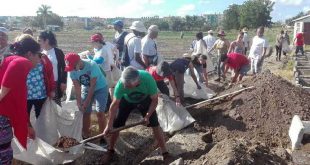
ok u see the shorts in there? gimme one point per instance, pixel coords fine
(6, 136)
(244, 69)
(109, 78)
(101, 98)
(126, 107)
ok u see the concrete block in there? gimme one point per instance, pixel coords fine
(297, 130)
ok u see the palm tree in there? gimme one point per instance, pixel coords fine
(44, 11)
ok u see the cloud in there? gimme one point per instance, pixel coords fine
(186, 9)
(290, 2)
(306, 9)
(204, 2)
(156, 2)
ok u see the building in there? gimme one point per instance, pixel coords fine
(302, 24)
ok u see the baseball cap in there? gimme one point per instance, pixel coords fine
(96, 38)
(71, 59)
(118, 23)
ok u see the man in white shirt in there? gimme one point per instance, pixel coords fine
(149, 47)
(209, 39)
(258, 50)
(133, 43)
(246, 40)
(4, 46)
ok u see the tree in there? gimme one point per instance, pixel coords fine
(44, 11)
(232, 17)
(254, 13)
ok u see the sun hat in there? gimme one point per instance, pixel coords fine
(71, 59)
(118, 23)
(163, 69)
(153, 28)
(4, 30)
(245, 30)
(138, 26)
(221, 33)
(96, 38)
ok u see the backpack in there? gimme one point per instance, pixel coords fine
(125, 59)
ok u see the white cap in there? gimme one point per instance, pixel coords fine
(4, 30)
(138, 26)
(210, 31)
(154, 28)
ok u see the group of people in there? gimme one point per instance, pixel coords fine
(33, 70)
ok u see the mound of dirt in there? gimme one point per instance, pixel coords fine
(240, 151)
(263, 113)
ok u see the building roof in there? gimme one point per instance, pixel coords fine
(301, 18)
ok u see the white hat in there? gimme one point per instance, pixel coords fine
(138, 26)
(210, 31)
(187, 55)
(154, 28)
(4, 30)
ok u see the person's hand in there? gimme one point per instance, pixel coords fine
(80, 107)
(146, 119)
(63, 87)
(198, 86)
(107, 130)
(31, 133)
(178, 102)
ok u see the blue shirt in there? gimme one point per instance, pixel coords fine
(35, 83)
(90, 70)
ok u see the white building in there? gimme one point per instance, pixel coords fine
(302, 24)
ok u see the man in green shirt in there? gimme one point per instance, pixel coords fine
(135, 90)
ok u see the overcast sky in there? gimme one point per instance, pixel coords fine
(137, 8)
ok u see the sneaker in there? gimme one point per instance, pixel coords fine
(103, 143)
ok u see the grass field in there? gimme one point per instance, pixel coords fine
(169, 43)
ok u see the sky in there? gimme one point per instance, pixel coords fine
(283, 9)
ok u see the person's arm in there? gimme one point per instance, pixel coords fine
(236, 74)
(175, 90)
(90, 93)
(112, 113)
(204, 44)
(231, 47)
(152, 108)
(139, 60)
(205, 75)
(77, 88)
(192, 72)
(227, 43)
(50, 75)
(3, 92)
(226, 67)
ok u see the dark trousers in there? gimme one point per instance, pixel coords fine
(163, 88)
(220, 66)
(38, 103)
(278, 52)
(299, 48)
(58, 94)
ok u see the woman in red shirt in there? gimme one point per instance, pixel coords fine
(238, 63)
(13, 96)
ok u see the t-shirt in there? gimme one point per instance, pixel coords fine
(106, 53)
(179, 65)
(299, 39)
(210, 40)
(257, 48)
(112, 47)
(35, 83)
(236, 60)
(200, 48)
(134, 46)
(221, 46)
(13, 75)
(53, 58)
(147, 87)
(246, 40)
(149, 47)
(90, 70)
(152, 71)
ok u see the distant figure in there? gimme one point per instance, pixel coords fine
(181, 35)
(4, 45)
(258, 50)
(149, 46)
(133, 45)
(119, 37)
(237, 46)
(279, 44)
(209, 39)
(222, 45)
(246, 40)
(28, 31)
(286, 43)
(299, 42)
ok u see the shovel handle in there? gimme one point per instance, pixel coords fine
(112, 131)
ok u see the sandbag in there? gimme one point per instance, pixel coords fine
(52, 123)
(171, 117)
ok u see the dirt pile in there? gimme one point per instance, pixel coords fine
(263, 114)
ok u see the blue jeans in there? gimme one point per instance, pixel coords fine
(101, 98)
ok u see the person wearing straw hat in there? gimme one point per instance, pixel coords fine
(4, 45)
(209, 39)
(246, 40)
(149, 46)
(179, 67)
(133, 45)
(222, 45)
